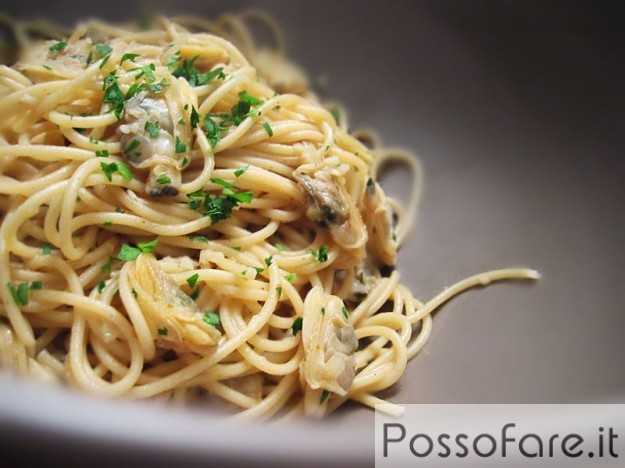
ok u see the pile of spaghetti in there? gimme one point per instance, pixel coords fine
(184, 220)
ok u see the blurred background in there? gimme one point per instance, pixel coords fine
(516, 110)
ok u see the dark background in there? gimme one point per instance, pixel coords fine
(516, 109)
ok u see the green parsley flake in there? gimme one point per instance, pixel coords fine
(152, 129)
(128, 253)
(345, 312)
(324, 396)
(102, 153)
(107, 266)
(147, 247)
(213, 131)
(188, 71)
(280, 247)
(191, 280)
(268, 261)
(321, 255)
(268, 129)
(59, 46)
(223, 183)
(163, 180)
(241, 197)
(103, 49)
(203, 239)
(239, 172)
(323, 311)
(111, 168)
(290, 277)
(20, 294)
(129, 56)
(180, 146)
(162, 331)
(46, 249)
(101, 286)
(297, 325)
(195, 118)
(195, 294)
(211, 318)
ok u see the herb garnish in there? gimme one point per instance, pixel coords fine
(187, 70)
(211, 318)
(297, 325)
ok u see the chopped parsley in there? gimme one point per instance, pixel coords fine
(239, 111)
(241, 197)
(134, 293)
(180, 146)
(336, 113)
(187, 70)
(129, 253)
(268, 129)
(243, 108)
(101, 286)
(46, 249)
(195, 118)
(269, 261)
(146, 71)
(237, 248)
(290, 277)
(345, 313)
(279, 290)
(199, 238)
(195, 294)
(102, 153)
(103, 49)
(20, 293)
(152, 129)
(191, 280)
(259, 270)
(223, 183)
(297, 325)
(163, 180)
(213, 131)
(107, 223)
(111, 168)
(211, 318)
(59, 46)
(280, 247)
(162, 331)
(324, 396)
(323, 311)
(128, 56)
(218, 207)
(147, 247)
(107, 266)
(239, 172)
(321, 255)
(115, 96)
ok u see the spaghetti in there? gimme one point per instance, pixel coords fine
(182, 218)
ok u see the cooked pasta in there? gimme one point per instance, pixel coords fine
(182, 218)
